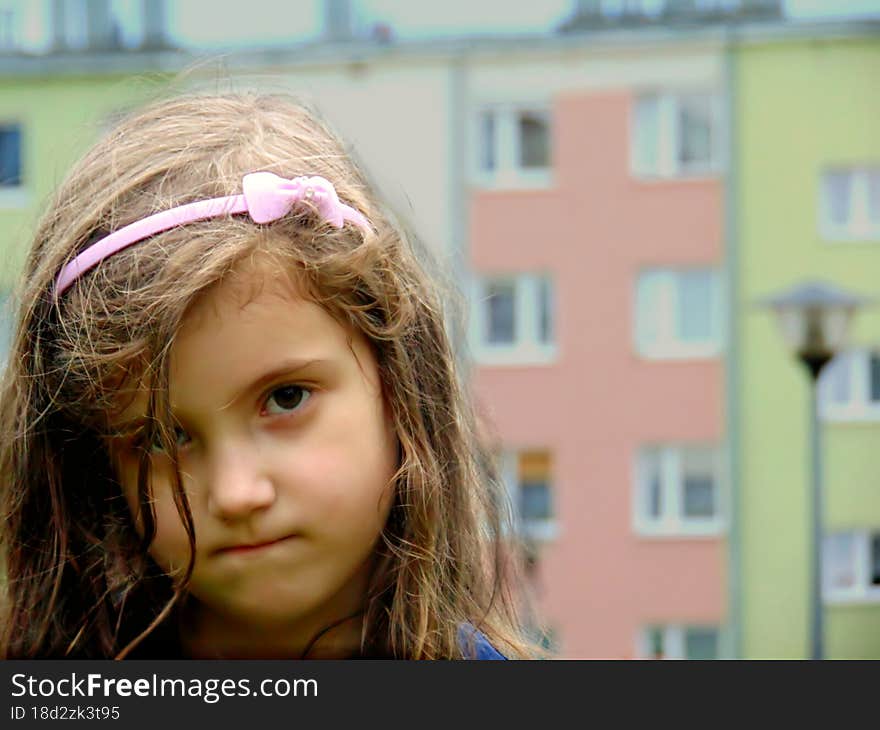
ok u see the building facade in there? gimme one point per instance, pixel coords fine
(807, 186)
(591, 355)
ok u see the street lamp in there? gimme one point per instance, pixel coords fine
(814, 318)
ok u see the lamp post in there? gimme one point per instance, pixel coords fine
(814, 318)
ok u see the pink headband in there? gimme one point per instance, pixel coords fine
(265, 197)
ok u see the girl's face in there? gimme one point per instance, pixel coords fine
(286, 450)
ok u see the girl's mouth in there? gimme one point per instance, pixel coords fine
(252, 548)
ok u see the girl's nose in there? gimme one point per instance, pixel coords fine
(237, 485)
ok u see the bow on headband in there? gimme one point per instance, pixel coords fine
(266, 197)
(270, 197)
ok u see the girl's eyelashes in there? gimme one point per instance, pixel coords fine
(281, 401)
(286, 399)
(180, 436)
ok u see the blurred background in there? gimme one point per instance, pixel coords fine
(630, 194)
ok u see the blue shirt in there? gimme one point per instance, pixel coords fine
(469, 636)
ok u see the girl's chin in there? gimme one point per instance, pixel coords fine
(262, 606)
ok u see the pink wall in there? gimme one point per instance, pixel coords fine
(594, 229)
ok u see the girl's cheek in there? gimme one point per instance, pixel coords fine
(170, 546)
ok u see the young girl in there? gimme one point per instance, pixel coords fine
(231, 422)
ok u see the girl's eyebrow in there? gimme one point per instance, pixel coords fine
(285, 367)
(133, 424)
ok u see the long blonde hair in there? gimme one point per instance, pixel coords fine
(79, 580)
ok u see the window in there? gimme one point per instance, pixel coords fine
(534, 141)
(545, 310)
(8, 30)
(116, 24)
(719, 5)
(74, 24)
(676, 135)
(527, 475)
(851, 566)
(850, 203)
(513, 320)
(10, 155)
(678, 314)
(500, 305)
(677, 491)
(624, 8)
(513, 147)
(678, 642)
(849, 388)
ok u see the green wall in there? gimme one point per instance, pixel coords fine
(800, 106)
(60, 117)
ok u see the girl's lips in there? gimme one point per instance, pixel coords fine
(247, 549)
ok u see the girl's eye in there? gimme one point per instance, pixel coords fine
(286, 399)
(181, 436)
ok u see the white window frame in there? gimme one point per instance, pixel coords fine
(672, 521)
(669, 137)
(527, 348)
(862, 592)
(673, 639)
(859, 408)
(670, 346)
(508, 174)
(536, 530)
(859, 227)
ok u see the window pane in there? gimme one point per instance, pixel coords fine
(10, 155)
(874, 196)
(652, 8)
(652, 484)
(837, 379)
(874, 378)
(534, 140)
(500, 313)
(487, 141)
(698, 475)
(647, 132)
(655, 496)
(76, 30)
(545, 310)
(535, 502)
(535, 498)
(656, 648)
(701, 643)
(695, 305)
(695, 131)
(612, 8)
(875, 560)
(837, 192)
(838, 561)
(699, 497)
